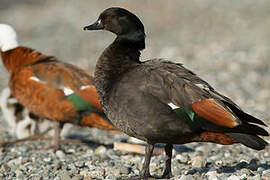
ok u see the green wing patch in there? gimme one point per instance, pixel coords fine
(80, 104)
(188, 116)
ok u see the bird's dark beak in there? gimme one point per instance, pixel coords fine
(95, 26)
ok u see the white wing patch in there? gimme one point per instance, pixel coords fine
(84, 87)
(67, 91)
(35, 79)
(173, 106)
(202, 86)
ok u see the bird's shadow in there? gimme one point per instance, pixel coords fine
(93, 144)
(253, 165)
(90, 143)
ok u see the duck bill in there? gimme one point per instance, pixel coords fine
(95, 26)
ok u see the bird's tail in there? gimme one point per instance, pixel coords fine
(249, 140)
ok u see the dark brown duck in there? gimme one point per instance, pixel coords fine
(160, 101)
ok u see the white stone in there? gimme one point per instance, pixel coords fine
(233, 177)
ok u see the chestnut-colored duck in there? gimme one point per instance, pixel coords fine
(160, 101)
(49, 88)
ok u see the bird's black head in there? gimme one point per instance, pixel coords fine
(127, 26)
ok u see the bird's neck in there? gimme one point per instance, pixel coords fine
(117, 59)
(18, 57)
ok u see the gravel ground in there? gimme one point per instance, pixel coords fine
(225, 42)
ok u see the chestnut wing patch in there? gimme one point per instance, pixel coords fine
(210, 110)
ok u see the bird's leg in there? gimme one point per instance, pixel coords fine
(148, 153)
(168, 170)
(56, 139)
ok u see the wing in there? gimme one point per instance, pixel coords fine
(181, 88)
(55, 90)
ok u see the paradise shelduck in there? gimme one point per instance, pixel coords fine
(50, 89)
(160, 101)
(21, 122)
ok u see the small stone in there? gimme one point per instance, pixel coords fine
(60, 154)
(37, 177)
(212, 175)
(110, 177)
(100, 150)
(71, 151)
(79, 164)
(124, 170)
(243, 176)
(233, 177)
(260, 169)
(198, 162)
(5, 167)
(219, 163)
(181, 158)
(57, 166)
(256, 177)
(18, 172)
(87, 178)
(13, 162)
(201, 148)
(116, 172)
(97, 172)
(84, 172)
(223, 177)
(186, 177)
(214, 158)
(57, 178)
(47, 159)
(227, 154)
(77, 177)
(65, 175)
(266, 173)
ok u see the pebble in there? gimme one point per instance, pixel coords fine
(65, 175)
(186, 177)
(266, 173)
(100, 150)
(79, 164)
(233, 177)
(198, 162)
(60, 154)
(76, 177)
(182, 158)
(212, 175)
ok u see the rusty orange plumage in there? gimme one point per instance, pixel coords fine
(39, 83)
(215, 113)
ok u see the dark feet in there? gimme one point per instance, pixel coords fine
(148, 154)
(168, 170)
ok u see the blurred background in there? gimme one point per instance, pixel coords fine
(225, 42)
